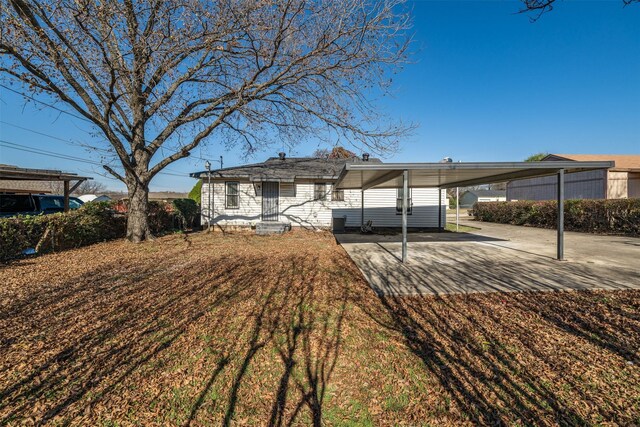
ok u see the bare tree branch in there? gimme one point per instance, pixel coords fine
(154, 74)
(539, 7)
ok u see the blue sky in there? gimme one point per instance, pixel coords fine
(486, 84)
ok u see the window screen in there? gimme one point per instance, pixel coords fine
(320, 191)
(15, 203)
(232, 195)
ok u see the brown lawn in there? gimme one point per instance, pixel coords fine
(243, 330)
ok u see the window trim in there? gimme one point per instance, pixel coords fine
(399, 201)
(335, 191)
(226, 195)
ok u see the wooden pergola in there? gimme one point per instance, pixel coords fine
(13, 173)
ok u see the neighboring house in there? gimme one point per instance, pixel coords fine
(299, 192)
(469, 198)
(26, 186)
(619, 182)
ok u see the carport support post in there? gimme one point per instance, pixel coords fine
(405, 196)
(66, 196)
(560, 214)
(361, 209)
(439, 210)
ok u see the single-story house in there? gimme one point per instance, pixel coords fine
(471, 197)
(619, 182)
(300, 192)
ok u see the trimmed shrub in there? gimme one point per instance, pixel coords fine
(160, 217)
(186, 211)
(92, 223)
(619, 216)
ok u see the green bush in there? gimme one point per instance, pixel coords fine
(196, 192)
(160, 217)
(187, 211)
(92, 223)
(620, 216)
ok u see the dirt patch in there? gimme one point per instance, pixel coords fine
(238, 329)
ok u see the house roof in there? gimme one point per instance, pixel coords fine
(623, 162)
(287, 170)
(488, 193)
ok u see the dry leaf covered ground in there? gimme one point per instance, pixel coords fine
(244, 330)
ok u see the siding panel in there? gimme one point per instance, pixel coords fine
(578, 185)
(298, 207)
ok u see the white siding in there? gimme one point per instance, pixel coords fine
(248, 211)
(298, 207)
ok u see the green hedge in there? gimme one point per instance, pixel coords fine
(92, 223)
(591, 216)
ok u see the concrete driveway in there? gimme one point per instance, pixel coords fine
(494, 258)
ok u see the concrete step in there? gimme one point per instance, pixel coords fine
(272, 227)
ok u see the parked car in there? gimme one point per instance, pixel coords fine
(34, 204)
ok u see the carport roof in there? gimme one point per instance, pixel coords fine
(447, 175)
(9, 172)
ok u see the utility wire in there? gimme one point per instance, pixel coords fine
(15, 146)
(81, 144)
(74, 115)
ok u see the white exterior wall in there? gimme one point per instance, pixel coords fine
(301, 210)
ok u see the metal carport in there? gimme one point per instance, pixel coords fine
(363, 176)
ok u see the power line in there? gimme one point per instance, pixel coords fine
(75, 115)
(15, 146)
(87, 146)
(57, 138)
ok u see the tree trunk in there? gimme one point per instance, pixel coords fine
(138, 214)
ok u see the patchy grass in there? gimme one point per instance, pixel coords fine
(451, 226)
(237, 329)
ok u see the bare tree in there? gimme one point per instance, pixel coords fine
(87, 187)
(90, 187)
(542, 6)
(157, 78)
(336, 152)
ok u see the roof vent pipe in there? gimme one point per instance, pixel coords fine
(282, 155)
(365, 157)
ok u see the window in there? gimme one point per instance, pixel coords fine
(320, 191)
(74, 203)
(232, 195)
(287, 189)
(15, 203)
(51, 204)
(337, 195)
(399, 202)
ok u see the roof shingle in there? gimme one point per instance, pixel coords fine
(275, 169)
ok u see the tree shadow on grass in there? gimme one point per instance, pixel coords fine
(507, 357)
(80, 343)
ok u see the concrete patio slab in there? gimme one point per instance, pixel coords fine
(499, 258)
